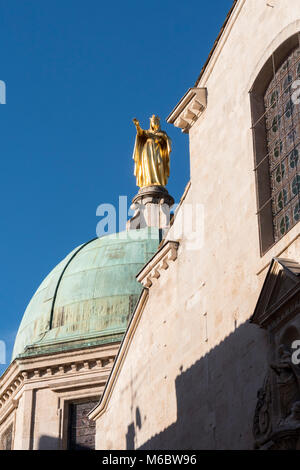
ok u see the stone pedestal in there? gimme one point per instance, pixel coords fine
(151, 208)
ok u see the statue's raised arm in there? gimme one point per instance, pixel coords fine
(151, 154)
(136, 122)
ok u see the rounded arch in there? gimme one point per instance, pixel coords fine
(293, 29)
(276, 135)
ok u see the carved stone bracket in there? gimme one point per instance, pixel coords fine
(189, 108)
(159, 263)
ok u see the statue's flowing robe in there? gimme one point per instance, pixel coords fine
(288, 381)
(152, 158)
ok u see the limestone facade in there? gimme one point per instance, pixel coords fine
(36, 394)
(191, 363)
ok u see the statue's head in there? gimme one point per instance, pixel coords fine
(154, 123)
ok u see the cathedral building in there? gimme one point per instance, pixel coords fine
(186, 338)
(67, 342)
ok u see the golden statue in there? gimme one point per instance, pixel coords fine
(151, 154)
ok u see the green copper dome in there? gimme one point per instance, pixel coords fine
(88, 297)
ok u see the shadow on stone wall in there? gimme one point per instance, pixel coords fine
(53, 443)
(48, 443)
(216, 397)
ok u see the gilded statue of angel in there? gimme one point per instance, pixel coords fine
(151, 154)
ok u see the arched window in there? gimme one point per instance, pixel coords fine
(276, 132)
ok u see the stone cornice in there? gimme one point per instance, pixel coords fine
(42, 371)
(158, 263)
(184, 115)
(189, 109)
(272, 310)
(8, 394)
(220, 41)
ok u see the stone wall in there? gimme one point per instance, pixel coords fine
(36, 393)
(194, 366)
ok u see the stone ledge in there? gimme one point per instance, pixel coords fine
(189, 108)
(158, 263)
(64, 369)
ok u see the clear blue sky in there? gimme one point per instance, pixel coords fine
(76, 74)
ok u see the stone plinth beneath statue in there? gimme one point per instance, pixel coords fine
(151, 207)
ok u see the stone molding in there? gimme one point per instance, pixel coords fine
(271, 312)
(276, 422)
(153, 194)
(151, 207)
(189, 109)
(158, 263)
(220, 42)
(121, 356)
(36, 373)
(181, 116)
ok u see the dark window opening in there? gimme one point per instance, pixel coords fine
(82, 430)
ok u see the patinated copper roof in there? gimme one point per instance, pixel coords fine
(88, 298)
